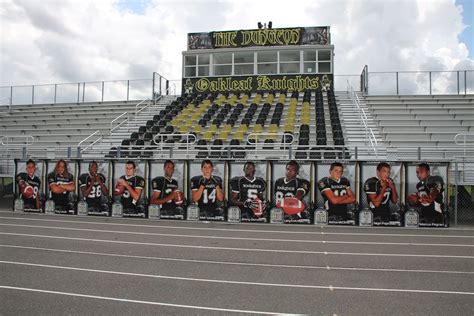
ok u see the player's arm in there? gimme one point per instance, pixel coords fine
(394, 194)
(344, 199)
(375, 198)
(134, 193)
(302, 190)
(197, 190)
(234, 199)
(103, 187)
(434, 191)
(57, 188)
(155, 197)
(86, 187)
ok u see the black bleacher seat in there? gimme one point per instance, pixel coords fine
(268, 144)
(329, 153)
(301, 154)
(112, 153)
(155, 130)
(148, 136)
(315, 153)
(245, 121)
(216, 149)
(142, 130)
(169, 129)
(237, 151)
(162, 123)
(202, 122)
(133, 136)
(230, 122)
(201, 146)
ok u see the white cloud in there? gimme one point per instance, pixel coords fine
(88, 40)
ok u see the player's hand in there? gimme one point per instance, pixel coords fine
(383, 184)
(203, 182)
(390, 183)
(173, 195)
(248, 203)
(122, 182)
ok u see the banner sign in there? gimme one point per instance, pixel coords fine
(257, 83)
(260, 37)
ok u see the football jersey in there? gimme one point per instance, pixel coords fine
(426, 187)
(248, 188)
(208, 198)
(35, 182)
(54, 178)
(135, 182)
(284, 188)
(373, 186)
(164, 187)
(339, 188)
(95, 196)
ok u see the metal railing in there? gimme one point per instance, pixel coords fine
(28, 140)
(463, 143)
(369, 133)
(457, 82)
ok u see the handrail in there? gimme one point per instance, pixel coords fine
(464, 136)
(369, 133)
(144, 107)
(9, 140)
(93, 143)
(284, 134)
(115, 119)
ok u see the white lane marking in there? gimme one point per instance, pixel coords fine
(245, 238)
(245, 230)
(299, 286)
(137, 301)
(240, 249)
(236, 263)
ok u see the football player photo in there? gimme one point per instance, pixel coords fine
(289, 192)
(381, 191)
(62, 186)
(93, 190)
(206, 191)
(337, 194)
(29, 184)
(129, 188)
(428, 197)
(248, 193)
(167, 194)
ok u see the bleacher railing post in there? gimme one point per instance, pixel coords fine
(24, 153)
(69, 152)
(33, 94)
(465, 82)
(396, 75)
(430, 81)
(83, 91)
(78, 152)
(55, 92)
(102, 91)
(457, 73)
(78, 92)
(419, 153)
(128, 89)
(11, 95)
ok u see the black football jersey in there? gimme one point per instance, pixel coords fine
(135, 182)
(373, 186)
(59, 198)
(35, 182)
(95, 196)
(248, 189)
(284, 188)
(164, 187)
(426, 187)
(339, 188)
(208, 198)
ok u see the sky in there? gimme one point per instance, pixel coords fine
(52, 41)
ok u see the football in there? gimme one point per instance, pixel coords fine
(119, 189)
(257, 207)
(291, 205)
(28, 191)
(179, 198)
(412, 199)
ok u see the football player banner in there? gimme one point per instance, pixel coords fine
(134, 174)
(91, 175)
(64, 177)
(426, 193)
(29, 186)
(290, 180)
(160, 187)
(339, 214)
(210, 207)
(248, 191)
(386, 181)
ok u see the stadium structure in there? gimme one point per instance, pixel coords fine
(266, 95)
